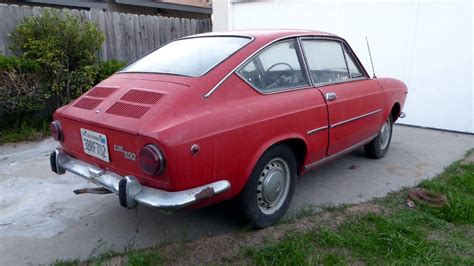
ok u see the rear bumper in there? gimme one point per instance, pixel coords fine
(129, 189)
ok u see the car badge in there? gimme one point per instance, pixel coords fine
(126, 154)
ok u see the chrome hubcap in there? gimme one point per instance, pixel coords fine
(273, 186)
(384, 135)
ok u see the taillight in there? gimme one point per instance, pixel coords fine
(56, 131)
(152, 161)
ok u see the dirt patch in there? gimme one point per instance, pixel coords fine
(363, 209)
(225, 248)
(469, 159)
(448, 237)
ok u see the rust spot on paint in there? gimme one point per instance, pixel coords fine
(205, 193)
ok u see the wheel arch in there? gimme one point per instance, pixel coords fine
(299, 149)
(395, 111)
(296, 143)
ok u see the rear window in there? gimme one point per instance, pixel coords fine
(188, 57)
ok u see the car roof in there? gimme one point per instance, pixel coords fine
(270, 33)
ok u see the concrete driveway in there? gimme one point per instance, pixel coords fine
(42, 220)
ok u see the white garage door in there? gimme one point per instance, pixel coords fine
(428, 45)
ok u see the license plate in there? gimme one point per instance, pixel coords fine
(95, 144)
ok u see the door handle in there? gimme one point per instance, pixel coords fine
(331, 96)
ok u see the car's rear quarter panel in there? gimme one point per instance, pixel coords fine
(234, 127)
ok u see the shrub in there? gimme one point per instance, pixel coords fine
(108, 68)
(57, 62)
(21, 91)
(9, 63)
(65, 47)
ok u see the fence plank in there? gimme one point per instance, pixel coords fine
(163, 30)
(116, 25)
(127, 36)
(3, 32)
(143, 35)
(109, 35)
(150, 32)
(135, 43)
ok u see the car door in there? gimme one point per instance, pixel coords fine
(354, 101)
(287, 96)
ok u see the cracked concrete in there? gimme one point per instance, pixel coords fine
(41, 219)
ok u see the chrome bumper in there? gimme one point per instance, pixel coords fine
(129, 190)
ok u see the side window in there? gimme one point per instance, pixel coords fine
(275, 68)
(354, 69)
(326, 60)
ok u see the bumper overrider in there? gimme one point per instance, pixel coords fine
(129, 189)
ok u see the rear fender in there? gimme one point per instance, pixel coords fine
(265, 146)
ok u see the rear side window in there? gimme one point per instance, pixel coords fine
(326, 60)
(278, 67)
(189, 57)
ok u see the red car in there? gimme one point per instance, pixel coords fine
(215, 116)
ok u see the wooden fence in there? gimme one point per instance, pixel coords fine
(127, 36)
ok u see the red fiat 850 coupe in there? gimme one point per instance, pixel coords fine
(221, 115)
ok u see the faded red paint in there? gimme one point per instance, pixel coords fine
(233, 127)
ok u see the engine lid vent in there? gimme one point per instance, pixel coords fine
(142, 97)
(135, 103)
(87, 103)
(127, 110)
(101, 92)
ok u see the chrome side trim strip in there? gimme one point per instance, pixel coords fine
(343, 152)
(317, 85)
(355, 118)
(220, 82)
(313, 131)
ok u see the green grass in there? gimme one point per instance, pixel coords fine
(65, 263)
(23, 133)
(423, 235)
(132, 258)
(459, 189)
(144, 258)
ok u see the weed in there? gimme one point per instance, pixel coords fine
(144, 258)
(66, 263)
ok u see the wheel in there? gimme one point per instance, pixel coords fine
(270, 187)
(378, 147)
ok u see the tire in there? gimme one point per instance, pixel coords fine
(270, 188)
(378, 147)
